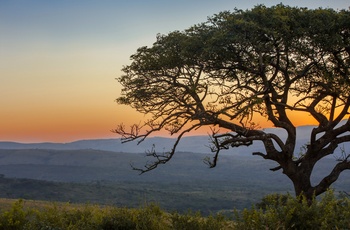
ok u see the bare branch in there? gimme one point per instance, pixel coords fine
(163, 157)
(276, 168)
(332, 177)
(259, 154)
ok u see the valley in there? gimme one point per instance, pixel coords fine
(105, 177)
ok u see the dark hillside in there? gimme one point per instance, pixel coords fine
(106, 177)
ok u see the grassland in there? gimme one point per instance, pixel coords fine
(274, 212)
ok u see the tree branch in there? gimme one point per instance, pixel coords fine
(332, 177)
(165, 156)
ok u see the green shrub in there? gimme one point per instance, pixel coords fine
(192, 221)
(286, 212)
(273, 200)
(274, 212)
(47, 219)
(118, 219)
(150, 217)
(66, 217)
(15, 218)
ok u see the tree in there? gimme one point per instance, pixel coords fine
(238, 65)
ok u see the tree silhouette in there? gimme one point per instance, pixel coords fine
(238, 65)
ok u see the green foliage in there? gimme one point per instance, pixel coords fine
(286, 212)
(15, 218)
(118, 219)
(273, 200)
(150, 217)
(196, 221)
(82, 217)
(273, 212)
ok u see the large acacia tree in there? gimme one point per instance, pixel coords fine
(238, 65)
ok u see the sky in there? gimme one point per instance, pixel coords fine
(59, 59)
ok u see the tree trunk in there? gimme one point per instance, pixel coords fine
(303, 188)
(302, 184)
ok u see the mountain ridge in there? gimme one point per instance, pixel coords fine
(196, 144)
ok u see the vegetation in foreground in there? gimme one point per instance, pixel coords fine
(273, 212)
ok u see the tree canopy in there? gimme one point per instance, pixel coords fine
(266, 61)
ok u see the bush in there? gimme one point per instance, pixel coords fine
(82, 217)
(192, 220)
(273, 212)
(286, 212)
(15, 218)
(118, 219)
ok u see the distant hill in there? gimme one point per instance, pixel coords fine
(96, 165)
(196, 144)
(192, 144)
(106, 177)
(99, 171)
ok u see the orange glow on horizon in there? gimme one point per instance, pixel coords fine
(86, 123)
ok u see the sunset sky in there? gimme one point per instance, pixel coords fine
(59, 59)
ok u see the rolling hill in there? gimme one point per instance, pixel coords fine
(99, 171)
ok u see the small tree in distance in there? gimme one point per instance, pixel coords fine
(223, 73)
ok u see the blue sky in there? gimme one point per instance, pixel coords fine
(59, 59)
